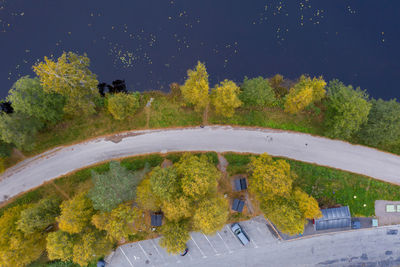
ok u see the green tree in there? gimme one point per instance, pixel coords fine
(17, 248)
(164, 182)
(122, 105)
(196, 88)
(60, 245)
(270, 178)
(347, 110)
(211, 215)
(146, 197)
(20, 130)
(39, 216)
(257, 92)
(28, 97)
(198, 175)
(175, 235)
(70, 77)
(225, 98)
(120, 222)
(383, 125)
(93, 245)
(114, 187)
(285, 214)
(76, 214)
(5, 149)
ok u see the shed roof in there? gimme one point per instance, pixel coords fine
(334, 218)
(238, 205)
(156, 219)
(240, 184)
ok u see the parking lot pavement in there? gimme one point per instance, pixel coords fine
(149, 253)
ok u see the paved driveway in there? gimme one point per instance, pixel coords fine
(367, 247)
(33, 172)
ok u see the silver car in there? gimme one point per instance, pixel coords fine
(240, 234)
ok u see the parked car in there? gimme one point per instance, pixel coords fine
(392, 232)
(240, 234)
(183, 253)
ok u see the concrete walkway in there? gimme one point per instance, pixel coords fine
(32, 172)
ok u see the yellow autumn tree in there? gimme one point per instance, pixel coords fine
(225, 98)
(179, 208)
(145, 196)
(70, 76)
(285, 214)
(175, 235)
(93, 245)
(305, 92)
(198, 175)
(120, 222)
(60, 245)
(307, 204)
(122, 105)
(16, 248)
(211, 215)
(196, 88)
(76, 214)
(270, 178)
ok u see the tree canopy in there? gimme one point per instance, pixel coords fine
(17, 248)
(305, 92)
(76, 214)
(383, 125)
(225, 98)
(114, 187)
(196, 88)
(211, 215)
(199, 176)
(164, 182)
(70, 77)
(60, 245)
(270, 177)
(20, 130)
(347, 110)
(28, 97)
(39, 216)
(119, 223)
(122, 105)
(175, 235)
(257, 92)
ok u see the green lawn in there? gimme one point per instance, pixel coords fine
(330, 186)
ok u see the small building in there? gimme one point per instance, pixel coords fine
(237, 205)
(333, 218)
(240, 184)
(156, 219)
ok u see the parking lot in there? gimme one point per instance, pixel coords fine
(149, 253)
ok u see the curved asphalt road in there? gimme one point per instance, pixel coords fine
(322, 151)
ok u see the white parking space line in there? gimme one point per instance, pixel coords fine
(126, 256)
(158, 252)
(144, 252)
(230, 251)
(216, 252)
(204, 256)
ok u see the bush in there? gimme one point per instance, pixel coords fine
(123, 105)
(257, 92)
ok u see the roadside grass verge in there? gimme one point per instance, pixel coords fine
(330, 186)
(271, 118)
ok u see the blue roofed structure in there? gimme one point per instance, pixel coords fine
(334, 218)
(156, 219)
(238, 205)
(240, 184)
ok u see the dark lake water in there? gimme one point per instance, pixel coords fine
(152, 43)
